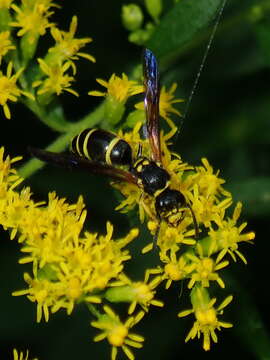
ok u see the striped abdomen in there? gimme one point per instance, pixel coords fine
(102, 146)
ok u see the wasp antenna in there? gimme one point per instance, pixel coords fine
(181, 290)
(194, 221)
(156, 237)
(31, 150)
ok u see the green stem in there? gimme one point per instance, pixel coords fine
(62, 141)
(46, 118)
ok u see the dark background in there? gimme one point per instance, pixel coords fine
(227, 122)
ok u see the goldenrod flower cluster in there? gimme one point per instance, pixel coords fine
(25, 23)
(71, 265)
(185, 251)
(68, 267)
(199, 258)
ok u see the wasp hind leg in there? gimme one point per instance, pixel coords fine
(195, 223)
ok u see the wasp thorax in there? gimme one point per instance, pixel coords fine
(153, 178)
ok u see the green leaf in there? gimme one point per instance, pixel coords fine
(181, 24)
(263, 35)
(249, 327)
(255, 193)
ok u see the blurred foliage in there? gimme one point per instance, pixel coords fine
(227, 121)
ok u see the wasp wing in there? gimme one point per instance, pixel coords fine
(71, 161)
(151, 102)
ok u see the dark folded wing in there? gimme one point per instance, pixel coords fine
(71, 161)
(151, 102)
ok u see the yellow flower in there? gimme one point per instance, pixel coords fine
(57, 81)
(21, 356)
(140, 292)
(171, 238)
(119, 88)
(227, 236)
(167, 100)
(207, 208)
(11, 203)
(8, 176)
(208, 197)
(5, 44)
(206, 317)
(209, 183)
(67, 47)
(175, 269)
(9, 91)
(32, 18)
(42, 291)
(204, 269)
(117, 333)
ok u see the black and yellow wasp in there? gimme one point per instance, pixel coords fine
(103, 152)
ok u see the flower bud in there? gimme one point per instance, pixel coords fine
(28, 47)
(140, 36)
(134, 117)
(132, 17)
(154, 8)
(114, 110)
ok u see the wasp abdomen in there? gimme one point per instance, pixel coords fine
(102, 146)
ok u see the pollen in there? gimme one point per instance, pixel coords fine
(207, 317)
(152, 226)
(143, 293)
(173, 271)
(75, 289)
(117, 335)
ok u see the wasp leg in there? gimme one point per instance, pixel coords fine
(156, 236)
(195, 223)
(139, 152)
(144, 206)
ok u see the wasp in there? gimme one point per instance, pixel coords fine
(103, 152)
